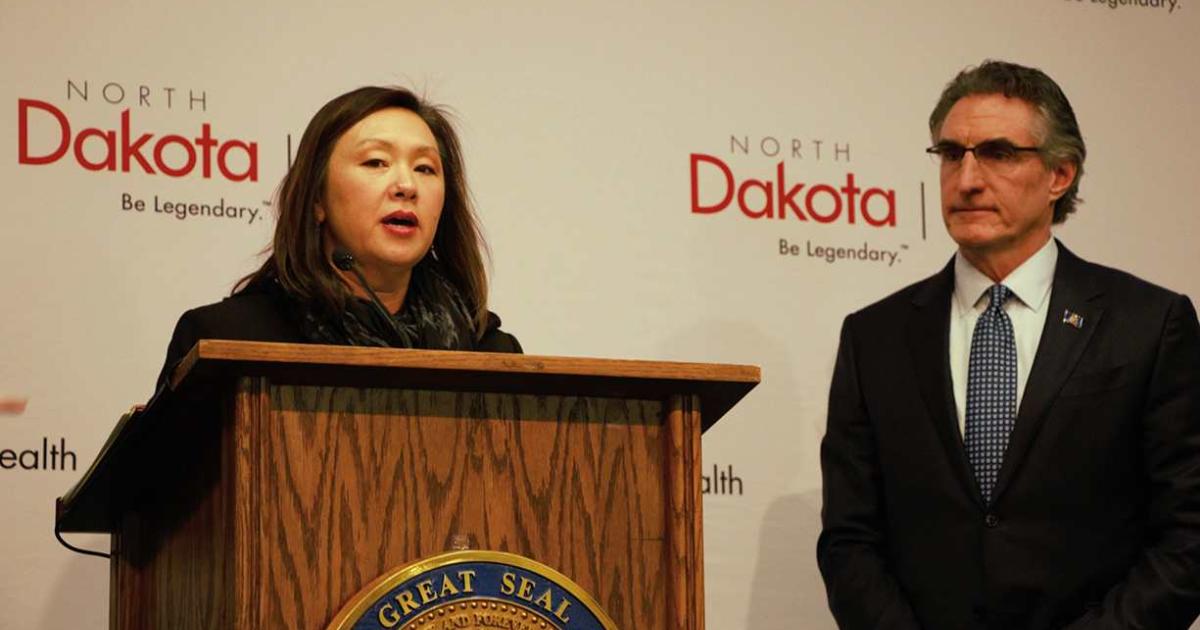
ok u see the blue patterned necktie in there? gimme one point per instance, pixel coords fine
(991, 391)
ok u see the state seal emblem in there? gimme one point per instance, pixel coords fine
(468, 590)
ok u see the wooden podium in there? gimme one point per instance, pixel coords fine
(270, 482)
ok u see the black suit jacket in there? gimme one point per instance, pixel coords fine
(266, 315)
(1095, 521)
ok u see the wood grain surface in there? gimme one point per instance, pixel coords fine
(274, 503)
(211, 366)
(347, 483)
(685, 513)
(304, 494)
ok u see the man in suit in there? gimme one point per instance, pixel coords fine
(1014, 442)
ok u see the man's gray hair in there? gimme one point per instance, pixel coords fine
(1061, 140)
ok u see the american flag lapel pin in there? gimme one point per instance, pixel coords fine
(1073, 319)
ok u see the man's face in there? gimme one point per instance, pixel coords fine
(998, 208)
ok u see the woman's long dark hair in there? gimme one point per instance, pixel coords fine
(298, 260)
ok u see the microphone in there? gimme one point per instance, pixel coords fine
(344, 260)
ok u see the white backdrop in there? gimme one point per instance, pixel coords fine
(579, 124)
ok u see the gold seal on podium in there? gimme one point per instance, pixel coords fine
(466, 590)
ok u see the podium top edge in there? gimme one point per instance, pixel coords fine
(285, 354)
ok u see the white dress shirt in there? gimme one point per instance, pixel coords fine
(1030, 284)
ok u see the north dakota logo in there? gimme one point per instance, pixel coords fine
(465, 590)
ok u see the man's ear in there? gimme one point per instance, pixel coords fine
(1064, 176)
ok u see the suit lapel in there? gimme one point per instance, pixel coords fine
(1075, 290)
(928, 337)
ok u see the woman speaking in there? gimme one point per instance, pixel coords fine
(376, 242)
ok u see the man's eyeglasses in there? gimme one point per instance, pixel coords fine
(987, 153)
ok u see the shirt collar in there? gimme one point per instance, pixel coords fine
(1030, 282)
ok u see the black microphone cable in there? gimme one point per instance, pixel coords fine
(344, 260)
(69, 546)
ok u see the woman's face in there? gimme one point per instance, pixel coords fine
(384, 191)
